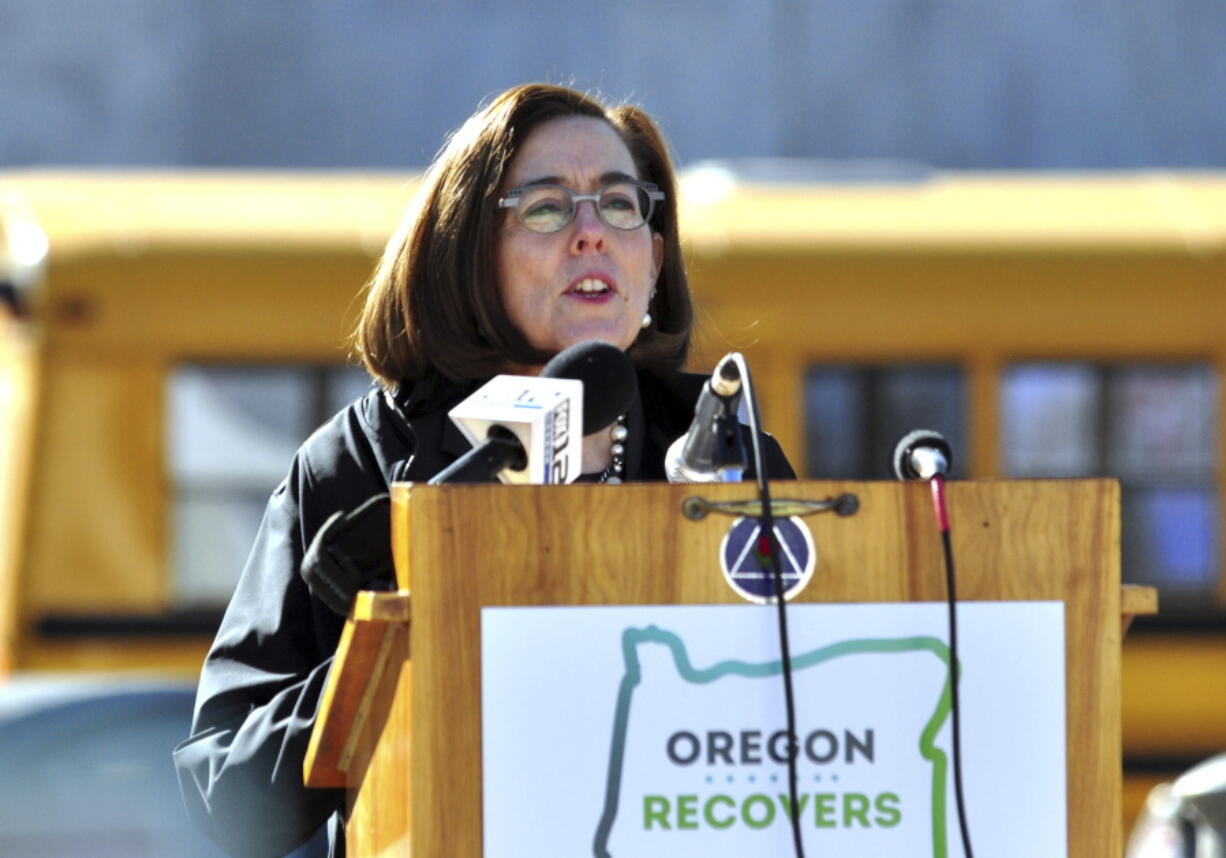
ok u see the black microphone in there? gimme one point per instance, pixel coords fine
(609, 386)
(711, 450)
(610, 383)
(922, 455)
(925, 455)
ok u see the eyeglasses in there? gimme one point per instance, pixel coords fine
(624, 204)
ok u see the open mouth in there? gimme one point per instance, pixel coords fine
(591, 287)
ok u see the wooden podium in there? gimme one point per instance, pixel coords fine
(400, 722)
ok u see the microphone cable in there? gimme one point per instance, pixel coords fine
(769, 547)
(937, 484)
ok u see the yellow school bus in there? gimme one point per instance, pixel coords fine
(168, 339)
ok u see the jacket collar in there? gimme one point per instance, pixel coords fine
(434, 396)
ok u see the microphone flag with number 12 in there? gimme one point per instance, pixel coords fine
(545, 414)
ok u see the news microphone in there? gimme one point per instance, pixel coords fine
(922, 455)
(528, 430)
(711, 451)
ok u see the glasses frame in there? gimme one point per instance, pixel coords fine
(653, 192)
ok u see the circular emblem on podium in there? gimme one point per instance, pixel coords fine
(745, 547)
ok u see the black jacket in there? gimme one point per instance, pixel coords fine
(241, 769)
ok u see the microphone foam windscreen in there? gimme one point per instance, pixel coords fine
(609, 381)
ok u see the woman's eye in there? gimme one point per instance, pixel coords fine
(543, 208)
(618, 202)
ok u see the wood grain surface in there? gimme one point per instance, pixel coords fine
(460, 548)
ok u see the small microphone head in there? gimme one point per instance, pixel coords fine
(726, 380)
(610, 384)
(921, 455)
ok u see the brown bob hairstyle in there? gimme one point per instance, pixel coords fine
(433, 304)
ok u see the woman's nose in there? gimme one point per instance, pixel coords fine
(589, 230)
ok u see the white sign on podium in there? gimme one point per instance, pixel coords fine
(660, 731)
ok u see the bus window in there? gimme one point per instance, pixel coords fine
(1150, 425)
(232, 431)
(854, 415)
(1050, 420)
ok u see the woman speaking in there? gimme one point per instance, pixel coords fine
(548, 219)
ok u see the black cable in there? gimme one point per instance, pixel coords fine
(951, 595)
(770, 559)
